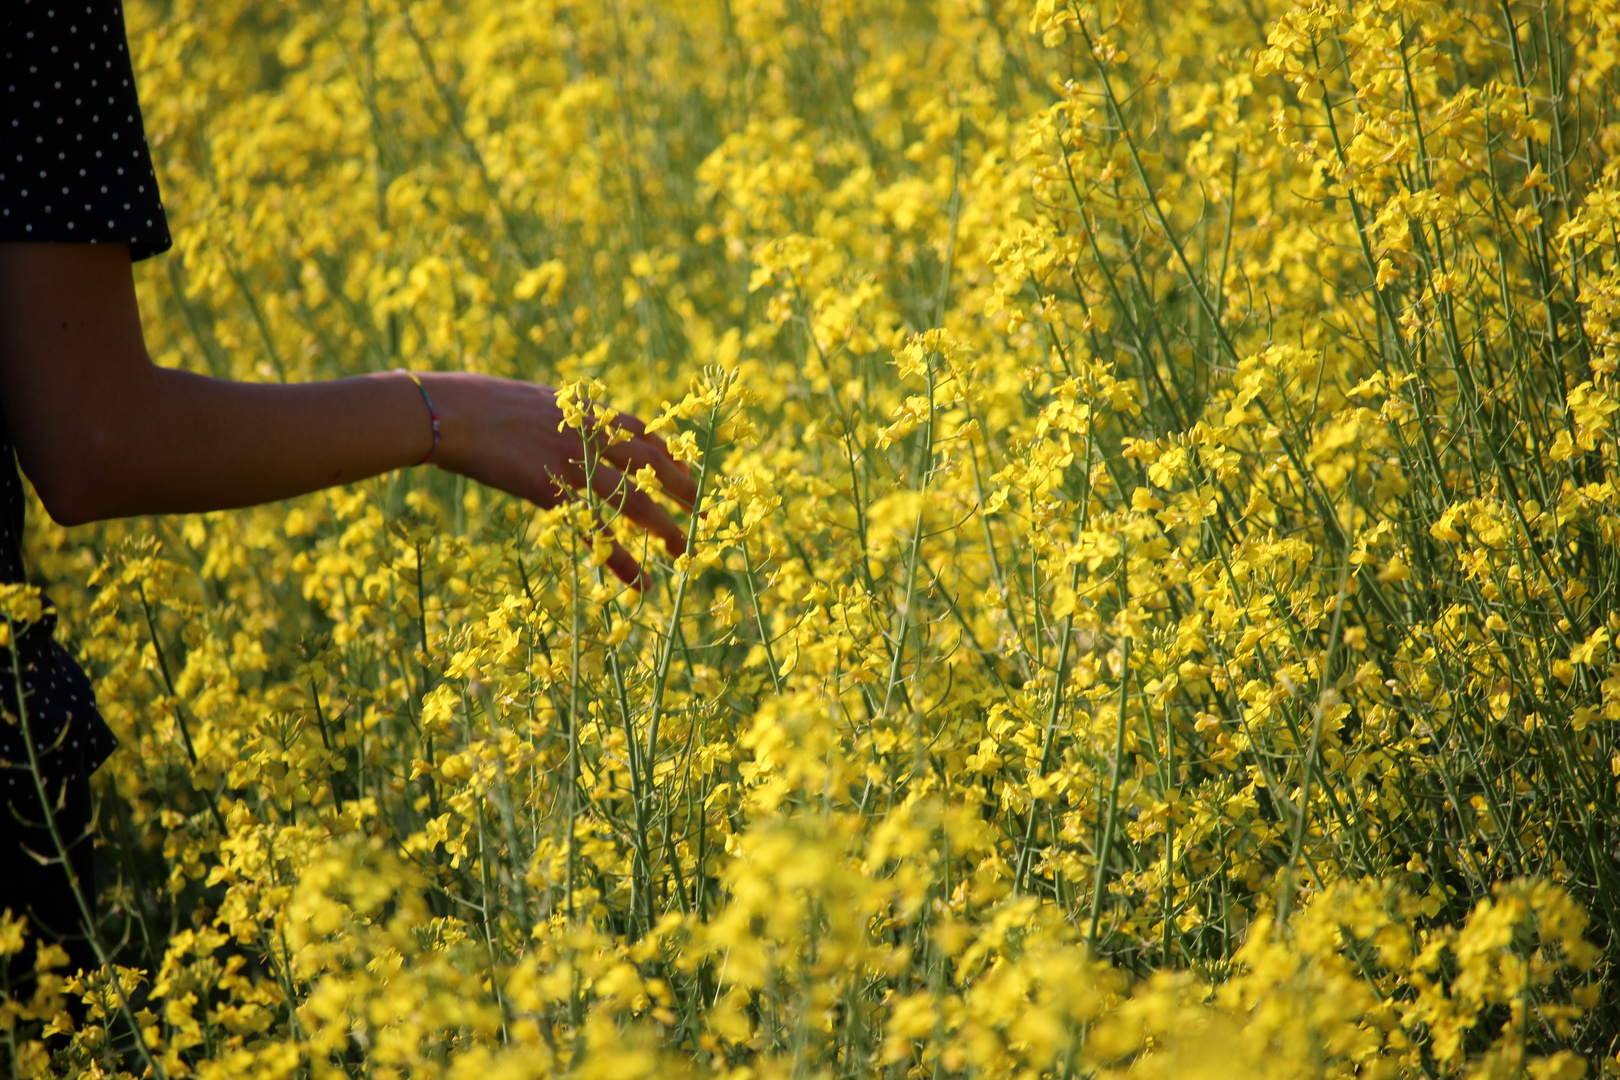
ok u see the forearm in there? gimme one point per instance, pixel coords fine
(103, 432)
(165, 441)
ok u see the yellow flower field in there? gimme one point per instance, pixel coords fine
(1153, 604)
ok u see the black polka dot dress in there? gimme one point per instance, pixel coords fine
(56, 708)
(74, 168)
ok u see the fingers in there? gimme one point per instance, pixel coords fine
(626, 569)
(647, 448)
(560, 490)
(619, 491)
(636, 427)
(640, 452)
(611, 482)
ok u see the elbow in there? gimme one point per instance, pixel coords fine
(76, 481)
(68, 507)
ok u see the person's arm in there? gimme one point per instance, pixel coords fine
(103, 432)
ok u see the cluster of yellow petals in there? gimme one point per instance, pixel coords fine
(1150, 610)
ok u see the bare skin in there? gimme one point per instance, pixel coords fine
(103, 432)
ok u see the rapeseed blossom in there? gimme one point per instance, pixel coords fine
(1150, 609)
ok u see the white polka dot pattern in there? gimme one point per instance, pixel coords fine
(74, 165)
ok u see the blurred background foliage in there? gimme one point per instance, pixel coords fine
(1154, 601)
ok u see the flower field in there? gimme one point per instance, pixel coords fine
(1152, 605)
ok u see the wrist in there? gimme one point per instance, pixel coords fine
(449, 392)
(434, 425)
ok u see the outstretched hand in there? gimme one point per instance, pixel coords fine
(511, 435)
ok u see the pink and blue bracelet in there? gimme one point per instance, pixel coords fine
(433, 415)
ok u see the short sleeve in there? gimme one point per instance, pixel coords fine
(74, 165)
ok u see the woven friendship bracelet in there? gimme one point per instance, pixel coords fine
(433, 415)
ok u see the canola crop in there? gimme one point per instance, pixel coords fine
(1152, 609)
